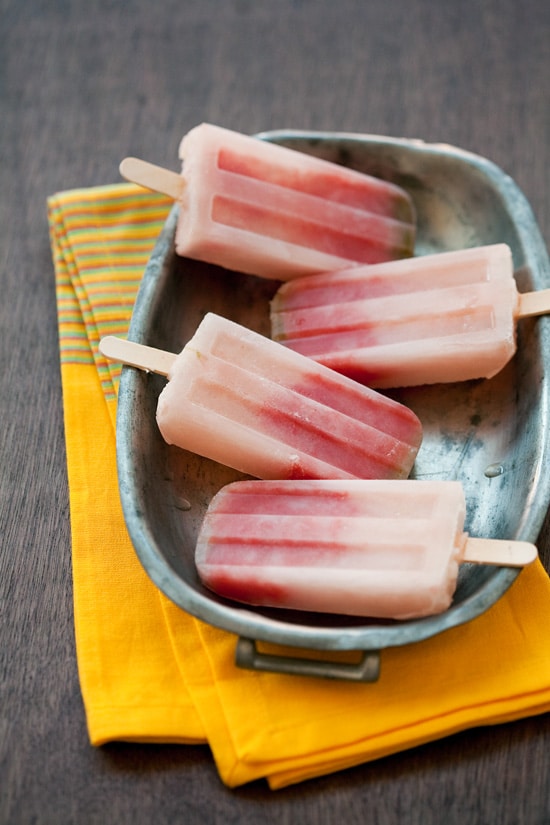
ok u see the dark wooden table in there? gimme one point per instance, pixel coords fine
(82, 85)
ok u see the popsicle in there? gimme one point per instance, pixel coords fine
(383, 549)
(263, 209)
(443, 317)
(239, 398)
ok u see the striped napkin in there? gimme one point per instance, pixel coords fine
(151, 673)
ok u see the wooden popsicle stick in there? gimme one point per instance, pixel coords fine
(152, 177)
(499, 551)
(141, 356)
(534, 303)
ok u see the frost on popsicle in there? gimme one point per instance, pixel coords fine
(437, 318)
(260, 408)
(260, 208)
(382, 549)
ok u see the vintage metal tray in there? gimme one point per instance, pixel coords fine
(491, 435)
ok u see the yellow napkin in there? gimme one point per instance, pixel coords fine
(151, 673)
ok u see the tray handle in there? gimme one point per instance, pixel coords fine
(248, 656)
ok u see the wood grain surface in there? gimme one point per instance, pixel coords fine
(84, 84)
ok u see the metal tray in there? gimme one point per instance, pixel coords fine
(491, 435)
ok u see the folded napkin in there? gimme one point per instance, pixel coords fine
(151, 673)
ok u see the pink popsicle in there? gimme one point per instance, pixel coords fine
(241, 399)
(253, 206)
(438, 318)
(384, 549)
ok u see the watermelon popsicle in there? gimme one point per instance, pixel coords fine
(251, 205)
(383, 549)
(244, 401)
(444, 317)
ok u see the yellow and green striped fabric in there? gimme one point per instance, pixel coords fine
(102, 238)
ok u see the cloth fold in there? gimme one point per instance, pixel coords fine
(148, 671)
